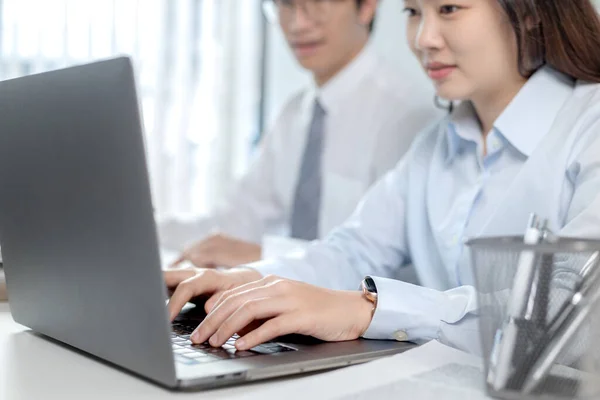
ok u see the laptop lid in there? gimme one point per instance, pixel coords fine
(76, 220)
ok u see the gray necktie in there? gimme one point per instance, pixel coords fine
(307, 200)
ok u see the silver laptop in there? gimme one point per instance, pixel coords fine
(79, 240)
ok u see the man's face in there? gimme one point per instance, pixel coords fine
(324, 35)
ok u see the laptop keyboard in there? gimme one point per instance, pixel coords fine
(190, 354)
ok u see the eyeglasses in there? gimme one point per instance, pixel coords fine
(284, 11)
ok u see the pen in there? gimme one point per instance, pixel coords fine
(504, 347)
(589, 275)
(588, 271)
(537, 307)
(565, 327)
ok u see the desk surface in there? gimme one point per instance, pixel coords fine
(34, 368)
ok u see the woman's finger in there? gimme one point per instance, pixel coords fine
(250, 311)
(202, 284)
(240, 289)
(284, 324)
(221, 312)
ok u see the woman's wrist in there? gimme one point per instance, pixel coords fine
(364, 312)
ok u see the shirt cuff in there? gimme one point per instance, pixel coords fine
(405, 312)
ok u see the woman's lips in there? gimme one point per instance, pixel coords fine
(439, 72)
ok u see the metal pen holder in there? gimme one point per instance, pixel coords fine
(540, 335)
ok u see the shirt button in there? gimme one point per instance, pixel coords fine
(495, 142)
(400, 336)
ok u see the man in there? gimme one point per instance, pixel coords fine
(329, 144)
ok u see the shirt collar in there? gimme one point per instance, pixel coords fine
(463, 127)
(524, 122)
(345, 82)
(531, 114)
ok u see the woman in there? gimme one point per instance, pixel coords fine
(524, 138)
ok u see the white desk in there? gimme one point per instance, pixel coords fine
(34, 368)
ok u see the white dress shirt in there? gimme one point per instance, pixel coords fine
(543, 156)
(372, 116)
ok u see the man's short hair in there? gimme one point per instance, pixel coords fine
(372, 24)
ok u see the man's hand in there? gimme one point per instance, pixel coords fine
(189, 283)
(270, 307)
(220, 251)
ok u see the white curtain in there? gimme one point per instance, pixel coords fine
(197, 65)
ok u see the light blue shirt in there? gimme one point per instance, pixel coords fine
(542, 156)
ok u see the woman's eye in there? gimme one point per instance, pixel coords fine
(449, 9)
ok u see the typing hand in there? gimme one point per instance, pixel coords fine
(286, 307)
(220, 251)
(188, 283)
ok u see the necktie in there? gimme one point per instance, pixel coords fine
(307, 200)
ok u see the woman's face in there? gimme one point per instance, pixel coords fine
(467, 47)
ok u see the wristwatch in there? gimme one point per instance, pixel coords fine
(369, 290)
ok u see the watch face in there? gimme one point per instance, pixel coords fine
(370, 285)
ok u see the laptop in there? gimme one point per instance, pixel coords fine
(79, 241)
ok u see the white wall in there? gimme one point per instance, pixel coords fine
(284, 76)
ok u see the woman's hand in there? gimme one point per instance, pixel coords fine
(188, 283)
(286, 307)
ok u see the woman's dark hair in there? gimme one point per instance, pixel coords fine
(359, 3)
(564, 34)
